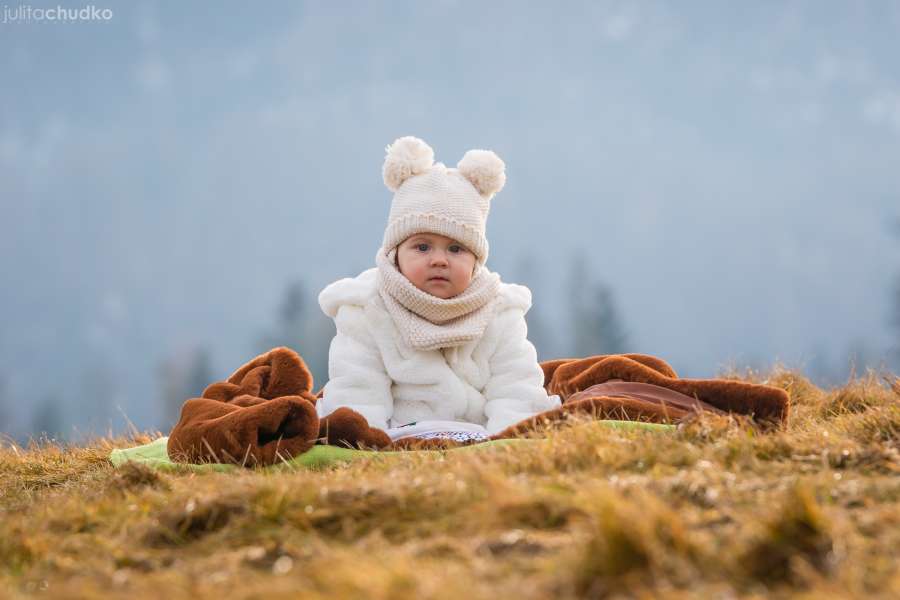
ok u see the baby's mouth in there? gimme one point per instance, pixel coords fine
(438, 279)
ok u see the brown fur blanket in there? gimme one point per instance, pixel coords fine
(265, 411)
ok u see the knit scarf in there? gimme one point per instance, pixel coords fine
(427, 322)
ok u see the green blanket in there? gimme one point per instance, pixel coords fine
(319, 457)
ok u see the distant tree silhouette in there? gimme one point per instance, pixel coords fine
(301, 326)
(98, 390)
(540, 334)
(6, 425)
(183, 376)
(48, 417)
(894, 316)
(596, 324)
(200, 372)
(894, 324)
(528, 273)
(819, 368)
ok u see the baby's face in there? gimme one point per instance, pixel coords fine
(436, 264)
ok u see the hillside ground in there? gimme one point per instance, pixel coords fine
(717, 508)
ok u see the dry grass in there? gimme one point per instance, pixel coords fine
(718, 508)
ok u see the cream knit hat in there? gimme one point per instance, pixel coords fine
(429, 197)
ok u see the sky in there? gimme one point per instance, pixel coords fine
(730, 170)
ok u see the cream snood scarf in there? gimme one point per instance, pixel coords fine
(427, 322)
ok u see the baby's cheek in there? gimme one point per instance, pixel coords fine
(463, 281)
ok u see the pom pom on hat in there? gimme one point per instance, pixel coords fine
(485, 170)
(406, 157)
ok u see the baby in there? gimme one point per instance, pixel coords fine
(430, 333)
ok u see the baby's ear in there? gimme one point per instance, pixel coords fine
(485, 170)
(406, 157)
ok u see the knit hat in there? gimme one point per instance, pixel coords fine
(431, 198)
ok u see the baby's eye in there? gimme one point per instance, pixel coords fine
(422, 247)
(456, 249)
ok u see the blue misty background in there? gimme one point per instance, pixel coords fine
(718, 182)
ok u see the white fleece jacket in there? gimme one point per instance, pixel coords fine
(494, 381)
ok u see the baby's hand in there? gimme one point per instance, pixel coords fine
(346, 427)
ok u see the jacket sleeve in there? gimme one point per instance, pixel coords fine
(515, 390)
(357, 378)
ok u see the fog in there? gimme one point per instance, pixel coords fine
(179, 181)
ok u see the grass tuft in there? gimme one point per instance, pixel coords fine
(797, 531)
(193, 519)
(858, 396)
(134, 476)
(633, 540)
